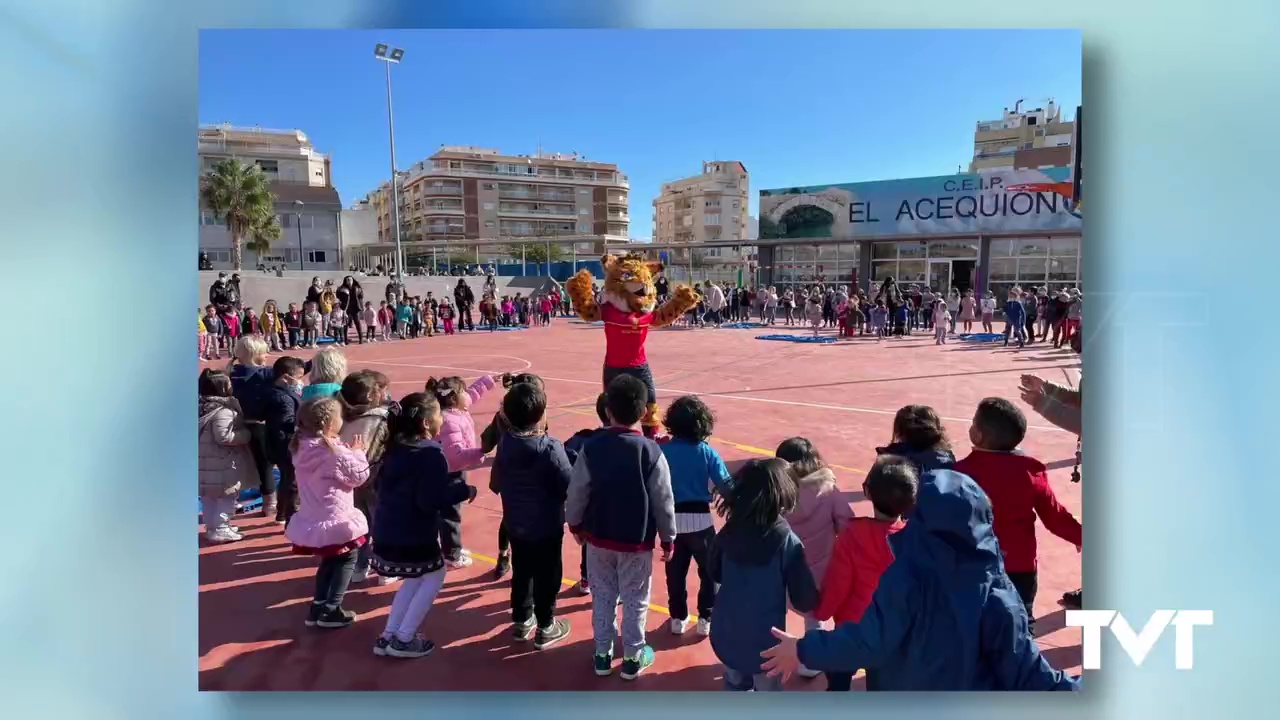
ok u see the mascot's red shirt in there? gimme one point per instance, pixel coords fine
(624, 336)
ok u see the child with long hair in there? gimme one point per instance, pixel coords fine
(386, 321)
(312, 321)
(919, 436)
(249, 324)
(461, 449)
(293, 325)
(968, 310)
(202, 337)
(861, 553)
(813, 312)
(446, 314)
(941, 322)
(338, 322)
(327, 523)
(369, 317)
(272, 326)
(696, 471)
(328, 369)
(821, 510)
(760, 564)
(224, 459)
(988, 307)
(414, 487)
(366, 412)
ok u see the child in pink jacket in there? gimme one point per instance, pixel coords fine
(821, 511)
(461, 449)
(327, 523)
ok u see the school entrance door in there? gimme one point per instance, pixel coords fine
(940, 276)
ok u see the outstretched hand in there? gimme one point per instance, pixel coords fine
(782, 660)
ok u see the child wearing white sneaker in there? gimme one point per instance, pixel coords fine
(224, 458)
(414, 488)
(696, 471)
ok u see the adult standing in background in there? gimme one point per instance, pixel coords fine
(394, 291)
(313, 292)
(350, 298)
(715, 302)
(661, 288)
(464, 298)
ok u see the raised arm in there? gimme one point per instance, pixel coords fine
(584, 301)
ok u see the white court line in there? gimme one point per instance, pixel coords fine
(744, 398)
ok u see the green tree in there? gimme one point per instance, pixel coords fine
(264, 230)
(239, 196)
(536, 252)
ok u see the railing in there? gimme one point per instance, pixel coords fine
(543, 175)
(439, 190)
(567, 212)
(250, 148)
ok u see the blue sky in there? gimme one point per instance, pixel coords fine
(797, 107)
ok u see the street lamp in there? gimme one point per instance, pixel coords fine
(390, 55)
(297, 221)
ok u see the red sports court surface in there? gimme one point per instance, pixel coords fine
(254, 594)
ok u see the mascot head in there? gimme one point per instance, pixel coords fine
(628, 282)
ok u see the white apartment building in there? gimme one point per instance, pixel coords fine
(307, 204)
(706, 207)
(1023, 139)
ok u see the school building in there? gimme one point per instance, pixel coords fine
(979, 231)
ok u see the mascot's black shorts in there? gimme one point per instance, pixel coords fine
(640, 373)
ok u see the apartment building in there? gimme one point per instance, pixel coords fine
(472, 193)
(1023, 139)
(299, 177)
(706, 207)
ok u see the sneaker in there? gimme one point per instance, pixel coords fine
(704, 627)
(335, 618)
(313, 614)
(463, 561)
(583, 587)
(384, 580)
(503, 567)
(678, 626)
(808, 674)
(415, 648)
(523, 631)
(604, 664)
(361, 574)
(1072, 600)
(633, 666)
(223, 535)
(380, 646)
(548, 636)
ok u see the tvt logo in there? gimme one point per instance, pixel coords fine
(1138, 644)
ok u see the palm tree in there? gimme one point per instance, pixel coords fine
(238, 194)
(264, 230)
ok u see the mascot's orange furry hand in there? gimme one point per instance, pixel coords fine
(686, 296)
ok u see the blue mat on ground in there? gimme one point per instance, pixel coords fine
(819, 339)
(500, 328)
(326, 340)
(743, 325)
(249, 499)
(981, 337)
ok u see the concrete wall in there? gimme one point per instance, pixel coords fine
(257, 288)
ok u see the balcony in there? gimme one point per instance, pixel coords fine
(617, 199)
(432, 209)
(597, 177)
(445, 229)
(539, 211)
(429, 190)
(619, 217)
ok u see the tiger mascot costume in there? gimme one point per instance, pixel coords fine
(628, 310)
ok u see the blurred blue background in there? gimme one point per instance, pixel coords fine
(97, 201)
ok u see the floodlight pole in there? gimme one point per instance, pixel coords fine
(388, 56)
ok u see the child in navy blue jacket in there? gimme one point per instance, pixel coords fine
(696, 468)
(279, 406)
(759, 563)
(532, 471)
(944, 616)
(414, 485)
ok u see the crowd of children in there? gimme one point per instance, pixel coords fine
(370, 487)
(302, 325)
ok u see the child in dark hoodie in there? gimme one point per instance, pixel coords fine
(489, 438)
(533, 473)
(1015, 319)
(944, 615)
(279, 407)
(759, 563)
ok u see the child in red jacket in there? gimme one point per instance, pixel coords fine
(1018, 487)
(861, 553)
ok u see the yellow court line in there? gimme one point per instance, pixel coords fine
(746, 448)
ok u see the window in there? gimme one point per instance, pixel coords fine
(316, 256)
(711, 219)
(208, 218)
(268, 166)
(584, 211)
(489, 186)
(584, 227)
(735, 204)
(488, 223)
(584, 191)
(223, 256)
(488, 206)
